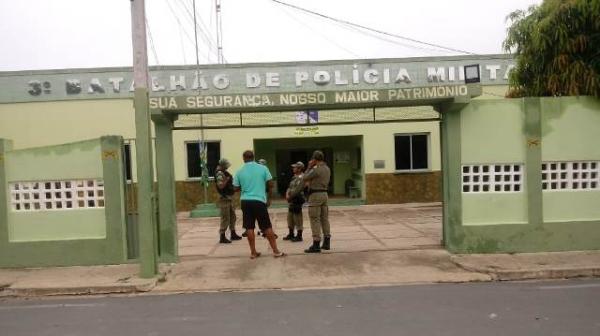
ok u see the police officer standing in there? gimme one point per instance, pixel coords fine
(318, 177)
(295, 198)
(224, 183)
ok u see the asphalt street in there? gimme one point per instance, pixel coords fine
(527, 308)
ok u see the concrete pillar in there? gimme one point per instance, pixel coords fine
(147, 230)
(5, 146)
(533, 160)
(165, 170)
(114, 190)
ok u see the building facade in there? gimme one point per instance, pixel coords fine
(378, 153)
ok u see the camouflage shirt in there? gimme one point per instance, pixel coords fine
(224, 183)
(296, 186)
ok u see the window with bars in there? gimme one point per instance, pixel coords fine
(56, 195)
(492, 178)
(411, 151)
(580, 175)
(194, 166)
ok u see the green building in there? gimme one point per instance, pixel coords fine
(387, 127)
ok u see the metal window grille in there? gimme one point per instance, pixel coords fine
(492, 178)
(56, 195)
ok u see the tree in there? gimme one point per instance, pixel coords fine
(557, 49)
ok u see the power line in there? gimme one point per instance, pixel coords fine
(381, 38)
(152, 42)
(322, 35)
(209, 43)
(181, 29)
(372, 29)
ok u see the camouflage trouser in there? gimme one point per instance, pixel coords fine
(318, 212)
(228, 217)
(294, 220)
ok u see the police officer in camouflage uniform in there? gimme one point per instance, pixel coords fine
(224, 183)
(318, 176)
(295, 197)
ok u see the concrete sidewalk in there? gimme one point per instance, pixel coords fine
(371, 246)
(332, 270)
(354, 229)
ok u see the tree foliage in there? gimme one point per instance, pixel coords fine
(557, 49)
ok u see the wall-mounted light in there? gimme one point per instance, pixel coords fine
(472, 73)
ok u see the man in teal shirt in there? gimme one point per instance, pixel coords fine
(254, 180)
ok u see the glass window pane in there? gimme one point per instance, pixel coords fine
(402, 151)
(419, 154)
(193, 159)
(213, 156)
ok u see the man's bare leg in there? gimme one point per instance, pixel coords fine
(252, 243)
(272, 241)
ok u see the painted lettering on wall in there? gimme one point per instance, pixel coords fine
(350, 97)
(264, 81)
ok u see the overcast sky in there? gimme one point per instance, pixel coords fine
(53, 34)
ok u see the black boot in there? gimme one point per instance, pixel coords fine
(314, 248)
(326, 243)
(298, 237)
(290, 235)
(234, 236)
(223, 239)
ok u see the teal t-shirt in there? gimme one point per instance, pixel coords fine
(252, 180)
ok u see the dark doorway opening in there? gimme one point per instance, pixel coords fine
(285, 158)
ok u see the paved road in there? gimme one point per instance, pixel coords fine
(527, 309)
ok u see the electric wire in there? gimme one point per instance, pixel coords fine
(319, 33)
(371, 34)
(372, 29)
(181, 30)
(205, 37)
(366, 29)
(189, 16)
(151, 41)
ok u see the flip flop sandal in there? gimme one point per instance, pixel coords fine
(254, 256)
(279, 255)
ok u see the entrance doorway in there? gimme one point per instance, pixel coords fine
(343, 155)
(285, 158)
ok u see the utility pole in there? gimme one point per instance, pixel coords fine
(146, 223)
(220, 58)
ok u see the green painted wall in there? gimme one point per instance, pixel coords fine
(563, 206)
(69, 237)
(570, 129)
(57, 225)
(79, 160)
(571, 132)
(493, 132)
(501, 208)
(567, 129)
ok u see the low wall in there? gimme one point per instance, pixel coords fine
(62, 205)
(523, 175)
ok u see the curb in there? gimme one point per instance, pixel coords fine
(530, 274)
(144, 286)
(555, 273)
